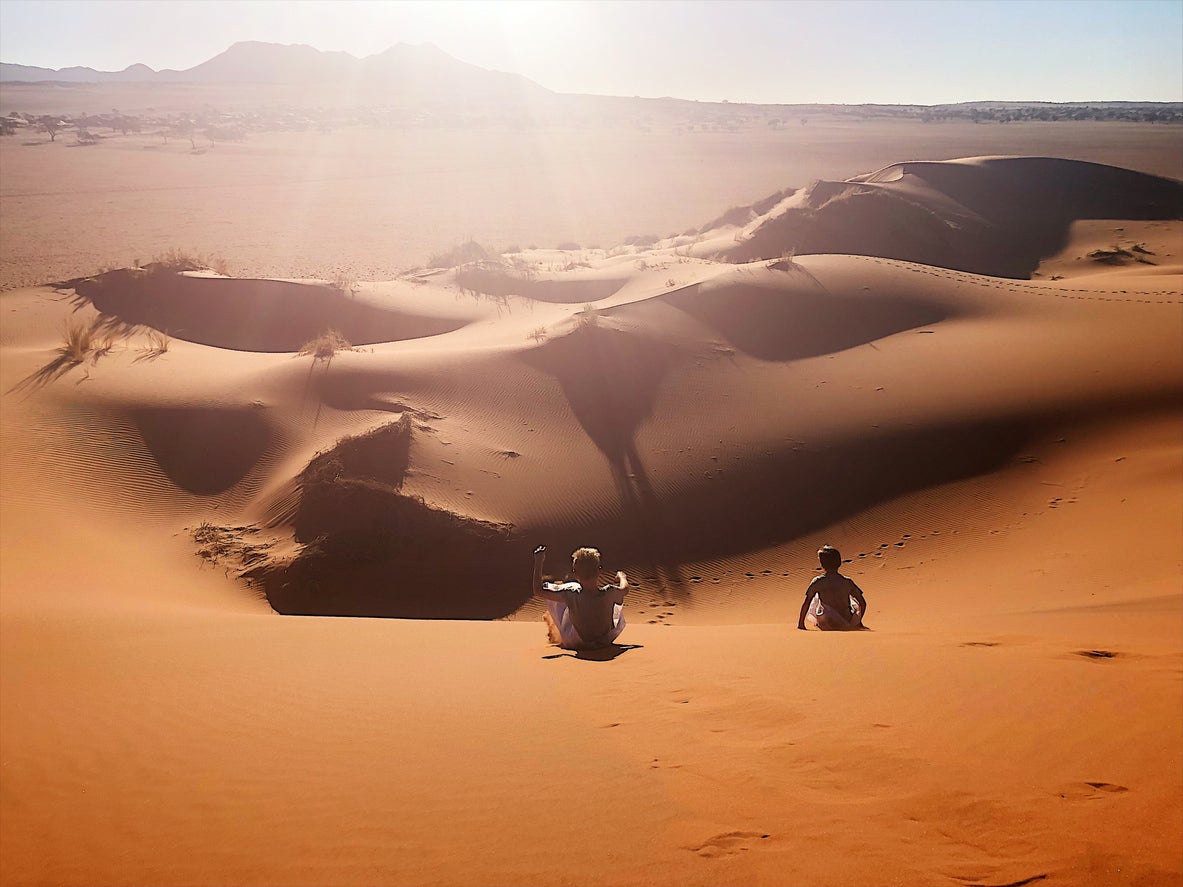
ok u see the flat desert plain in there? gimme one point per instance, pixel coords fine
(234, 387)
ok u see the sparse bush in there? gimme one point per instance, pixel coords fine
(462, 253)
(588, 316)
(174, 261)
(344, 283)
(568, 245)
(641, 240)
(538, 334)
(158, 343)
(327, 344)
(79, 341)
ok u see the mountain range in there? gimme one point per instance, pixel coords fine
(423, 68)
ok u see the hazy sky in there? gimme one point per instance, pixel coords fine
(886, 51)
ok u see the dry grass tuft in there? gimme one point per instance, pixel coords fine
(79, 343)
(588, 316)
(344, 282)
(461, 254)
(216, 543)
(174, 261)
(327, 344)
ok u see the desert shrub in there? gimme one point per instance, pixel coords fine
(538, 334)
(568, 245)
(327, 344)
(460, 254)
(512, 248)
(158, 343)
(344, 282)
(588, 316)
(640, 240)
(216, 543)
(79, 341)
(380, 456)
(174, 261)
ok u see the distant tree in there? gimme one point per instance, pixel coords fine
(187, 129)
(51, 125)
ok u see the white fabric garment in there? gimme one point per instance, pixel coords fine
(569, 638)
(835, 621)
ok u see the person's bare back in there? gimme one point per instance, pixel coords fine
(835, 601)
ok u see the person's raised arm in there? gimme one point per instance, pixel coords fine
(539, 589)
(620, 589)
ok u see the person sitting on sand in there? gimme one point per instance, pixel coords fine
(583, 614)
(832, 601)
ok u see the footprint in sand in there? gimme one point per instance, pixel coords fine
(729, 844)
(1096, 655)
(1090, 791)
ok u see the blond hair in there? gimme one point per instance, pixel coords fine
(585, 561)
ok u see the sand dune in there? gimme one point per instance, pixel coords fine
(926, 366)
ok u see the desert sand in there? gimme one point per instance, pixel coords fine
(964, 373)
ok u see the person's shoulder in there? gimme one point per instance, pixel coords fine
(560, 587)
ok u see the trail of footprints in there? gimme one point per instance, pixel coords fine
(1093, 294)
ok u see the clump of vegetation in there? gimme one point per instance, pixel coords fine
(85, 340)
(640, 240)
(80, 341)
(460, 254)
(538, 334)
(568, 246)
(1118, 255)
(326, 345)
(344, 283)
(216, 543)
(158, 343)
(174, 261)
(588, 316)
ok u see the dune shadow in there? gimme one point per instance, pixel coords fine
(203, 451)
(501, 282)
(997, 216)
(775, 324)
(368, 549)
(248, 315)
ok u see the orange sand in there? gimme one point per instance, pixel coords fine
(999, 459)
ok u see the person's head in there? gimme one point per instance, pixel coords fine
(830, 558)
(586, 563)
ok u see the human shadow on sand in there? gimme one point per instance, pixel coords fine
(610, 379)
(600, 654)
